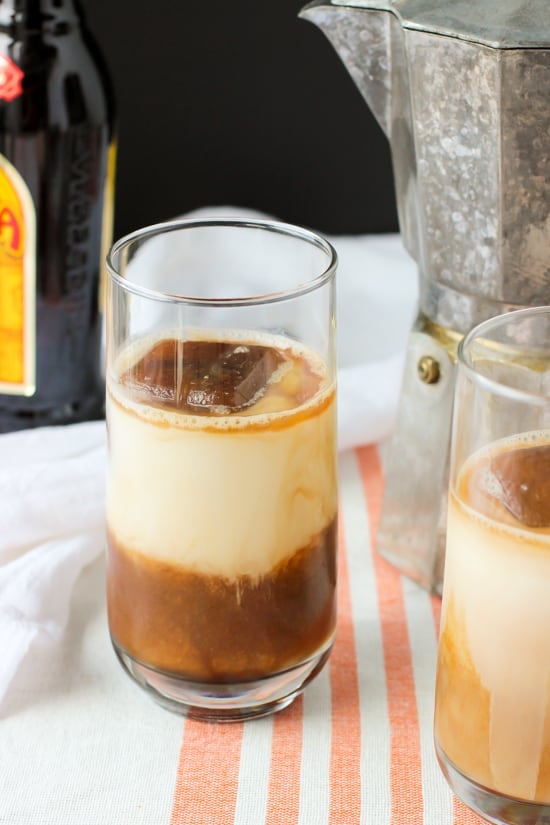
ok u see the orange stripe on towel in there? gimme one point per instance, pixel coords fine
(345, 787)
(345, 781)
(283, 802)
(405, 758)
(208, 774)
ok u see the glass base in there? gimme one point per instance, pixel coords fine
(493, 806)
(220, 702)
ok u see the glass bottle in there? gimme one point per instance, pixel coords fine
(57, 157)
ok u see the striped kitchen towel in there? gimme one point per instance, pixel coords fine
(357, 746)
(80, 744)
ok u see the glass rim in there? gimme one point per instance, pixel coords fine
(277, 227)
(479, 331)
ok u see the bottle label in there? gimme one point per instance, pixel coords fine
(17, 284)
(11, 78)
(107, 225)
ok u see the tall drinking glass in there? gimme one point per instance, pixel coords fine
(492, 715)
(221, 489)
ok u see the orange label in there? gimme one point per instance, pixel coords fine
(17, 284)
(11, 78)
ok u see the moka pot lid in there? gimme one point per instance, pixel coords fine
(500, 24)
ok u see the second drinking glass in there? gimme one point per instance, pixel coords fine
(492, 716)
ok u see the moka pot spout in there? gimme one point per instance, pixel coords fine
(356, 34)
(368, 37)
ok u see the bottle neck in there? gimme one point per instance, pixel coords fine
(18, 17)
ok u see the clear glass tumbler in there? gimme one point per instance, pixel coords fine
(222, 486)
(492, 715)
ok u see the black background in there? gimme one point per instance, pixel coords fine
(239, 102)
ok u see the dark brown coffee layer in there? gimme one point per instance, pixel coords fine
(210, 629)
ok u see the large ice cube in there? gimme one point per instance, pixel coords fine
(204, 377)
(523, 475)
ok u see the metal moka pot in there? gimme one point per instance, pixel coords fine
(461, 89)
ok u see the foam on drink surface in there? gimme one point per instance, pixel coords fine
(493, 698)
(208, 384)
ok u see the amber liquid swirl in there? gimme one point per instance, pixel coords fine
(201, 625)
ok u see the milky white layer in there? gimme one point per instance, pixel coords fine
(219, 502)
(498, 579)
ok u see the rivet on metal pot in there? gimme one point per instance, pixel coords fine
(428, 370)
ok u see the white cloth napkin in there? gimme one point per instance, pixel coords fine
(51, 511)
(52, 479)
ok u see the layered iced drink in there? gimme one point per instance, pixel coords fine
(221, 506)
(492, 719)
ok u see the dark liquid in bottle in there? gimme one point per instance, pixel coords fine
(57, 133)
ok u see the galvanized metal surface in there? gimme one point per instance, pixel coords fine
(462, 95)
(411, 533)
(469, 129)
(505, 24)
